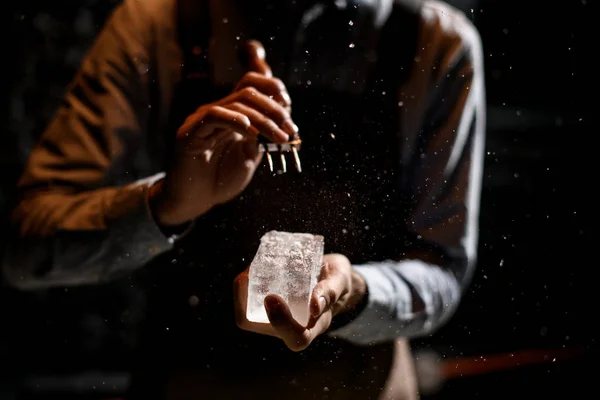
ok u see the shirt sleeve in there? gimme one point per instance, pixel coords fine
(442, 155)
(82, 215)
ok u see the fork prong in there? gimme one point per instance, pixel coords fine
(269, 160)
(296, 159)
(283, 162)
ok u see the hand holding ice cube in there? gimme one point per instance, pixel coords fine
(338, 290)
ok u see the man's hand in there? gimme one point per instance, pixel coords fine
(216, 151)
(339, 290)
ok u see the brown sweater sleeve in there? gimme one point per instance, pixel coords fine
(81, 216)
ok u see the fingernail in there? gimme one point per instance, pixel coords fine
(290, 127)
(322, 304)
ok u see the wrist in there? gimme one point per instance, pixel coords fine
(166, 212)
(358, 293)
(357, 302)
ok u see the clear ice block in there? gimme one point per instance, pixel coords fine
(288, 265)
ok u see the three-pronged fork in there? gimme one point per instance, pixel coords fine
(293, 146)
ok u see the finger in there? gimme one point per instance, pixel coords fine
(295, 336)
(221, 117)
(272, 87)
(219, 137)
(250, 150)
(237, 153)
(262, 103)
(240, 296)
(208, 121)
(265, 125)
(253, 57)
(332, 285)
(320, 324)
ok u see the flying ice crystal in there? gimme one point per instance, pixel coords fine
(288, 265)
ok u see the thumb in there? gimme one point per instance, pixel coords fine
(253, 57)
(250, 150)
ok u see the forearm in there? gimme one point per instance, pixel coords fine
(82, 239)
(409, 298)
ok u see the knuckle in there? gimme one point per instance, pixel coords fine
(236, 105)
(331, 295)
(250, 76)
(248, 92)
(210, 113)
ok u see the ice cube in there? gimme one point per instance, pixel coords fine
(286, 264)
